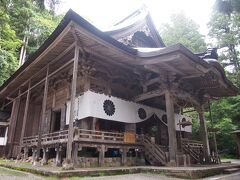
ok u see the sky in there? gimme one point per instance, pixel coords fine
(104, 13)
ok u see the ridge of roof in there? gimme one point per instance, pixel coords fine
(139, 15)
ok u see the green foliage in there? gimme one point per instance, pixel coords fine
(8, 45)
(19, 19)
(183, 30)
(225, 139)
(224, 29)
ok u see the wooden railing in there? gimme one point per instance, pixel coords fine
(55, 137)
(98, 136)
(193, 148)
(192, 143)
(79, 135)
(30, 140)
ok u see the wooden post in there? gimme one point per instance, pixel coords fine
(94, 120)
(101, 155)
(75, 154)
(45, 156)
(214, 133)
(204, 134)
(25, 116)
(124, 156)
(63, 117)
(34, 155)
(58, 156)
(44, 104)
(13, 123)
(25, 155)
(171, 128)
(73, 95)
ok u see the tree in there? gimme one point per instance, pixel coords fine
(224, 28)
(8, 45)
(183, 30)
(24, 26)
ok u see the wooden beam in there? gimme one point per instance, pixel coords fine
(38, 83)
(153, 68)
(149, 95)
(73, 96)
(185, 96)
(173, 69)
(159, 59)
(152, 81)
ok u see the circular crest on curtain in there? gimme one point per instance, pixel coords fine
(109, 107)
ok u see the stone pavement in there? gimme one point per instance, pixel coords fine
(182, 172)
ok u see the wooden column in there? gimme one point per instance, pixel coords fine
(63, 117)
(171, 128)
(44, 104)
(75, 154)
(25, 116)
(73, 95)
(101, 155)
(204, 134)
(58, 160)
(13, 123)
(94, 121)
(124, 156)
(45, 156)
(34, 155)
(25, 155)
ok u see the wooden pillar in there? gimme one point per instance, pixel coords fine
(34, 155)
(124, 156)
(44, 104)
(73, 95)
(75, 154)
(13, 123)
(45, 156)
(204, 134)
(101, 155)
(25, 154)
(58, 160)
(94, 121)
(25, 116)
(63, 117)
(171, 128)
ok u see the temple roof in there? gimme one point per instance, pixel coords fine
(139, 21)
(197, 70)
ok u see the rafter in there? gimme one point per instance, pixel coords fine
(149, 95)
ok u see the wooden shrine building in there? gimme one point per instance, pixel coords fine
(110, 98)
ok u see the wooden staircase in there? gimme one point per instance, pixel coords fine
(153, 152)
(194, 149)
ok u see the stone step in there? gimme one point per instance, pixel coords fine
(231, 170)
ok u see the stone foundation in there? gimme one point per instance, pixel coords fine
(86, 162)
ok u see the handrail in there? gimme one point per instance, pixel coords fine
(154, 149)
(98, 136)
(191, 141)
(193, 148)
